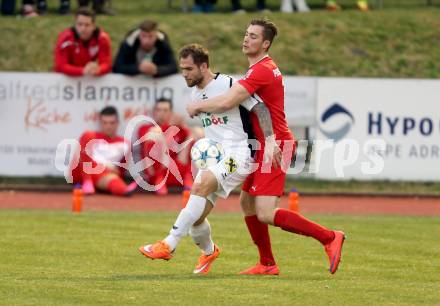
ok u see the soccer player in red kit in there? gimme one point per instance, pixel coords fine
(102, 150)
(262, 189)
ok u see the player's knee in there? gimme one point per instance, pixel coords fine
(265, 216)
(200, 189)
(204, 185)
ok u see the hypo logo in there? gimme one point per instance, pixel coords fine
(337, 128)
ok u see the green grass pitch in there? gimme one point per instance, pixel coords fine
(56, 258)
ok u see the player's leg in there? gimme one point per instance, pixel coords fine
(290, 221)
(197, 209)
(230, 172)
(260, 236)
(295, 223)
(201, 235)
(259, 231)
(84, 159)
(113, 183)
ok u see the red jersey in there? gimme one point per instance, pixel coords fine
(113, 150)
(72, 54)
(265, 80)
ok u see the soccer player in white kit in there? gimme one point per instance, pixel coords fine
(229, 128)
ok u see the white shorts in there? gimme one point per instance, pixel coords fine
(230, 172)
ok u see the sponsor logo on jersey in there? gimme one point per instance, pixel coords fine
(208, 121)
(231, 165)
(93, 51)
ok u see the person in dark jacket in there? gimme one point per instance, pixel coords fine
(146, 50)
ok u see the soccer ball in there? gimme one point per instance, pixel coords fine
(205, 153)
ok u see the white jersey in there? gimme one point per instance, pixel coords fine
(231, 127)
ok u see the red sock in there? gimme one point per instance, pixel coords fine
(260, 235)
(117, 186)
(295, 223)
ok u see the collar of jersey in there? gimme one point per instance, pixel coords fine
(213, 79)
(267, 55)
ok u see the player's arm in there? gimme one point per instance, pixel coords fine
(62, 58)
(232, 98)
(271, 149)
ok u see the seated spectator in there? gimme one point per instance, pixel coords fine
(28, 7)
(332, 5)
(146, 50)
(155, 142)
(103, 148)
(83, 49)
(99, 6)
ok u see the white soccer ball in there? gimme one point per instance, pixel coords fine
(205, 153)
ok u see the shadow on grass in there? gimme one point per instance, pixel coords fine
(167, 277)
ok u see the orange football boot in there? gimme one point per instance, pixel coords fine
(334, 251)
(205, 261)
(158, 250)
(260, 269)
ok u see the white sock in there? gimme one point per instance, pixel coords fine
(201, 234)
(187, 217)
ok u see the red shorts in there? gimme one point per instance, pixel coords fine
(269, 181)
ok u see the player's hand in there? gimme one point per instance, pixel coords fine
(148, 68)
(192, 110)
(87, 70)
(272, 152)
(91, 68)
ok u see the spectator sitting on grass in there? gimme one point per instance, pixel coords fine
(333, 6)
(103, 149)
(146, 50)
(83, 49)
